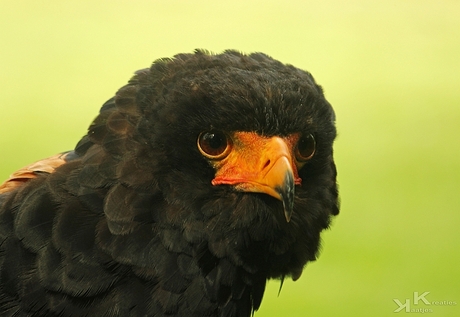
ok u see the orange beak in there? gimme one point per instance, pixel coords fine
(261, 165)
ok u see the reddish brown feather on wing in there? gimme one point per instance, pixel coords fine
(22, 176)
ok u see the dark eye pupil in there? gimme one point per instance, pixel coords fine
(213, 143)
(214, 140)
(306, 147)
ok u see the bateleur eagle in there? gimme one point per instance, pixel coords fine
(202, 178)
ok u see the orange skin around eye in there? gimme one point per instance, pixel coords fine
(261, 164)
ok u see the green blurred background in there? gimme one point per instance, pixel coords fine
(390, 69)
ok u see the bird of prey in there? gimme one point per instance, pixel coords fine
(202, 178)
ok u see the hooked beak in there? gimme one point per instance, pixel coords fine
(262, 165)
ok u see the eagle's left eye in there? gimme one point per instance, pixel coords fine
(305, 148)
(214, 144)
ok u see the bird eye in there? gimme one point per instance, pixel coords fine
(214, 144)
(305, 148)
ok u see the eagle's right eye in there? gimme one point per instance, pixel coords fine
(214, 144)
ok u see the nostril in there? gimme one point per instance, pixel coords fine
(266, 164)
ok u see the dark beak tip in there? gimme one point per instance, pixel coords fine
(287, 215)
(286, 191)
(288, 209)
